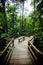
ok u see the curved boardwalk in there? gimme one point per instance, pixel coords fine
(21, 54)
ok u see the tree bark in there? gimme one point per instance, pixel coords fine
(22, 13)
(4, 16)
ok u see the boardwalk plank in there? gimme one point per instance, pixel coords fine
(21, 54)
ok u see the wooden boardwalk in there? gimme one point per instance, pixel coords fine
(21, 54)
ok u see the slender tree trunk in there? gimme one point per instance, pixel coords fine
(13, 20)
(4, 16)
(34, 6)
(22, 13)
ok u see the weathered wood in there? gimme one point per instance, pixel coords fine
(21, 54)
(36, 54)
(4, 56)
(21, 39)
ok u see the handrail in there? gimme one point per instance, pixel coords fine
(36, 54)
(7, 52)
(34, 48)
(6, 46)
(31, 38)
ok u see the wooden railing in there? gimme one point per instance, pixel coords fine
(21, 39)
(6, 53)
(37, 55)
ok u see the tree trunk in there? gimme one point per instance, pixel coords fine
(22, 13)
(4, 16)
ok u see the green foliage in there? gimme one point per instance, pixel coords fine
(32, 24)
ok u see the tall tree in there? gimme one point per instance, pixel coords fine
(4, 16)
(22, 1)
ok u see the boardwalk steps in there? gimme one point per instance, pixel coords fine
(21, 54)
(21, 51)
